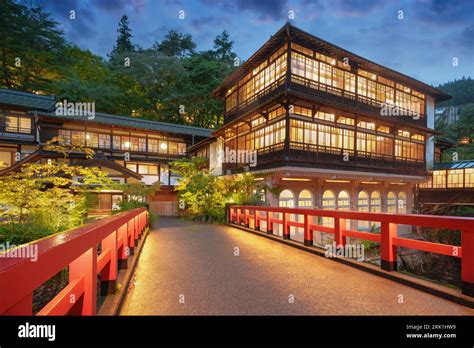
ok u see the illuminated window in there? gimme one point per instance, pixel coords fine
(325, 116)
(418, 137)
(92, 139)
(363, 206)
(455, 178)
(104, 141)
(298, 110)
(346, 120)
(384, 145)
(17, 124)
(305, 199)
(329, 203)
(343, 201)
(439, 179)
(375, 202)
(469, 177)
(148, 169)
(367, 125)
(152, 145)
(286, 199)
(391, 202)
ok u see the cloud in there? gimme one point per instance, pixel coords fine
(444, 13)
(265, 9)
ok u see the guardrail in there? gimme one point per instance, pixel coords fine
(78, 249)
(388, 238)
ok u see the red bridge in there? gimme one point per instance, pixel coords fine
(189, 258)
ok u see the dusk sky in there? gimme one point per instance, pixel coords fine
(422, 44)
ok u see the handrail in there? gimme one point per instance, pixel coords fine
(388, 238)
(78, 249)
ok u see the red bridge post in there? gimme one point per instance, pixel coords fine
(467, 262)
(308, 233)
(85, 266)
(388, 250)
(286, 227)
(269, 222)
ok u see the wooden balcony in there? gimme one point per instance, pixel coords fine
(309, 155)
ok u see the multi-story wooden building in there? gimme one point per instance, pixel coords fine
(128, 149)
(329, 128)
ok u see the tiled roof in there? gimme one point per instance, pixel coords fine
(28, 100)
(288, 30)
(127, 121)
(454, 165)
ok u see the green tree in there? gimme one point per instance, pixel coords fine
(176, 45)
(206, 195)
(461, 90)
(223, 48)
(461, 133)
(30, 48)
(123, 43)
(39, 200)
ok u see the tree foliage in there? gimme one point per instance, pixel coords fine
(42, 199)
(461, 90)
(462, 134)
(170, 81)
(124, 42)
(206, 195)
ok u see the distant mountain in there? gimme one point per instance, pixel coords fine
(461, 90)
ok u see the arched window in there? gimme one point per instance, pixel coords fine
(375, 202)
(391, 202)
(363, 201)
(402, 202)
(343, 201)
(329, 202)
(286, 199)
(305, 199)
(375, 207)
(363, 205)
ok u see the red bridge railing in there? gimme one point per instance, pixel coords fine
(78, 249)
(388, 238)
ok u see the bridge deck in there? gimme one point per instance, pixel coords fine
(197, 261)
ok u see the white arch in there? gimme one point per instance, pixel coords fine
(305, 199)
(343, 200)
(391, 202)
(286, 199)
(375, 202)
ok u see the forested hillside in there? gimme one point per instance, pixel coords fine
(170, 81)
(461, 90)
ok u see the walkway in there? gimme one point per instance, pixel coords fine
(195, 263)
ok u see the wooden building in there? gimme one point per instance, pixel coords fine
(128, 149)
(327, 127)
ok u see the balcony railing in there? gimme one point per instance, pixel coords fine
(259, 97)
(364, 103)
(265, 219)
(313, 154)
(78, 250)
